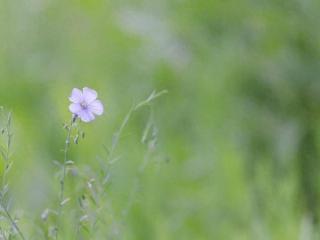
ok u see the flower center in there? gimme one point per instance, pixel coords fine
(84, 105)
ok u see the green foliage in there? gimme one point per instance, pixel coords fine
(231, 152)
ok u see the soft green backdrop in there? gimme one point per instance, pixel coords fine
(237, 155)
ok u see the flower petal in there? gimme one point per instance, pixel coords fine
(96, 107)
(89, 95)
(86, 116)
(75, 108)
(76, 96)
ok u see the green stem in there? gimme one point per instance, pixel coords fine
(14, 224)
(4, 179)
(64, 169)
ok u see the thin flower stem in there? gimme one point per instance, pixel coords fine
(64, 169)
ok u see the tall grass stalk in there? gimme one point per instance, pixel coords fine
(125, 121)
(5, 153)
(111, 159)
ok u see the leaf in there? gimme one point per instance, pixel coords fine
(65, 201)
(45, 214)
(84, 218)
(76, 139)
(69, 162)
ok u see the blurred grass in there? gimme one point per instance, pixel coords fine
(237, 156)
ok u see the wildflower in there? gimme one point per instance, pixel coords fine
(85, 104)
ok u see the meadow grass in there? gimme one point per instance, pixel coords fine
(90, 209)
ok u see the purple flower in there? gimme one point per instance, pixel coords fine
(85, 104)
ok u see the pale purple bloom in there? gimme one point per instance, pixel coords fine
(85, 104)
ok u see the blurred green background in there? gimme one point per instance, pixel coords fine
(238, 134)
